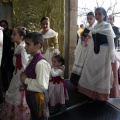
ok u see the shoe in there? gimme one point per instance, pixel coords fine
(1, 105)
(63, 108)
(52, 110)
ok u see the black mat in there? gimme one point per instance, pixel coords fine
(90, 111)
(75, 96)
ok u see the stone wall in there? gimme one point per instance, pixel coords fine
(71, 8)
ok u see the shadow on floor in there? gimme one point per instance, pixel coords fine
(90, 111)
(75, 96)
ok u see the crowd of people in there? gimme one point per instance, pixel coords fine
(32, 68)
(32, 73)
(95, 69)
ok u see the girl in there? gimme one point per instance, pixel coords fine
(82, 49)
(57, 87)
(98, 76)
(50, 46)
(15, 107)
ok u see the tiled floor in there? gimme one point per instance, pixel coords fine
(115, 102)
(90, 111)
(80, 109)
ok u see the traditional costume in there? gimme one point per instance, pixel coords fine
(58, 94)
(36, 84)
(98, 78)
(15, 106)
(50, 46)
(81, 52)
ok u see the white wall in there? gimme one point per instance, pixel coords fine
(91, 4)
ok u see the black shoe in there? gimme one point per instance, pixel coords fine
(1, 105)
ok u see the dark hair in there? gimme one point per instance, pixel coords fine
(21, 31)
(59, 58)
(44, 18)
(36, 38)
(5, 21)
(91, 13)
(81, 25)
(25, 30)
(112, 16)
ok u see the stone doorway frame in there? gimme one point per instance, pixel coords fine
(70, 35)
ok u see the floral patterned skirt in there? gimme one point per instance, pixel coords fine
(15, 112)
(12, 112)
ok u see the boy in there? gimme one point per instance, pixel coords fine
(36, 76)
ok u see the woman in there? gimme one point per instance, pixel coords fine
(82, 49)
(50, 46)
(98, 75)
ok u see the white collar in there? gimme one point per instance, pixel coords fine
(49, 34)
(18, 48)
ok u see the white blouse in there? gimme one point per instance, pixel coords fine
(55, 72)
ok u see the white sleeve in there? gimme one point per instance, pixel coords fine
(77, 50)
(24, 57)
(40, 84)
(56, 73)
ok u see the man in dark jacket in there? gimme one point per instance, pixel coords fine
(115, 29)
(7, 56)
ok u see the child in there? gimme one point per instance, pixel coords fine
(15, 106)
(36, 77)
(57, 87)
